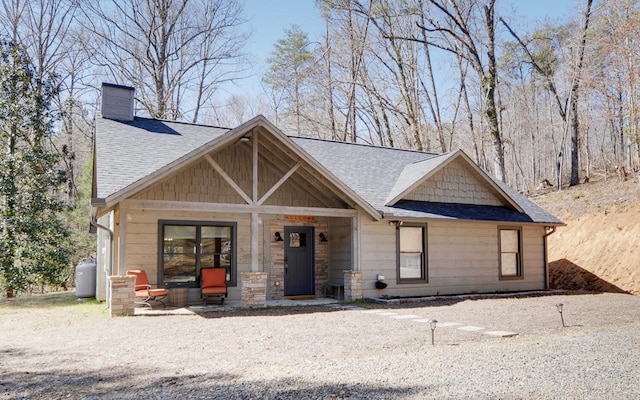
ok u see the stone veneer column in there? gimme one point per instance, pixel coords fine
(352, 285)
(122, 295)
(253, 289)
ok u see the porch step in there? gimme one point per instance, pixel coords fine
(301, 297)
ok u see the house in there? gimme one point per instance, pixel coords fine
(292, 216)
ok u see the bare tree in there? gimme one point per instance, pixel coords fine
(573, 96)
(172, 50)
(454, 22)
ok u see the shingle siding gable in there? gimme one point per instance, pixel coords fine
(455, 183)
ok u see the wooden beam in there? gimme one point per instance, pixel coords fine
(254, 160)
(255, 265)
(236, 208)
(278, 184)
(228, 179)
(275, 161)
(122, 241)
(355, 243)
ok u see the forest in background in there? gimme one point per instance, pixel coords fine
(535, 104)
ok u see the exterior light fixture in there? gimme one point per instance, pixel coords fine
(559, 307)
(432, 324)
(278, 237)
(323, 237)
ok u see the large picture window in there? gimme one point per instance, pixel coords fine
(510, 253)
(187, 248)
(412, 247)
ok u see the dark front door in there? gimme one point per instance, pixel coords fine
(298, 261)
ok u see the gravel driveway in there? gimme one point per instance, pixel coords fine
(366, 352)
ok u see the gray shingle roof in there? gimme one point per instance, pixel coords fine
(413, 172)
(127, 152)
(378, 174)
(370, 171)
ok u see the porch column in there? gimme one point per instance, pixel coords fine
(253, 289)
(122, 242)
(355, 243)
(255, 265)
(352, 285)
(121, 295)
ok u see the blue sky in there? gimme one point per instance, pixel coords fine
(267, 20)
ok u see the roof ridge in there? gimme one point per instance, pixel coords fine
(365, 145)
(180, 122)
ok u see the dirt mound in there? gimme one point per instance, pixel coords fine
(597, 250)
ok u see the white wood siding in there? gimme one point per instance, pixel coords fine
(462, 258)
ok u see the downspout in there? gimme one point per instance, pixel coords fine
(550, 231)
(95, 223)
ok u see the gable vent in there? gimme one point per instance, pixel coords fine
(117, 102)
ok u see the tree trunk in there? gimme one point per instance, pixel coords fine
(575, 123)
(489, 81)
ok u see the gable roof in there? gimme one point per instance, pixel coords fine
(415, 174)
(129, 156)
(383, 175)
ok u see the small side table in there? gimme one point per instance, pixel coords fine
(178, 297)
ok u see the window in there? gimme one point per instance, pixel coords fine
(510, 253)
(297, 239)
(188, 247)
(412, 260)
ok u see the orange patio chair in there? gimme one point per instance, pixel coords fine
(144, 291)
(213, 283)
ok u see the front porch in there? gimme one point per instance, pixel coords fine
(122, 301)
(232, 305)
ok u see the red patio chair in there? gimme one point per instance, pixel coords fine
(144, 291)
(213, 282)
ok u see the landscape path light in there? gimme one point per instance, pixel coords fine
(432, 324)
(559, 307)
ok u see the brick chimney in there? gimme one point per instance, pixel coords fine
(117, 102)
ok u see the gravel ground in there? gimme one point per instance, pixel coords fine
(379, 352)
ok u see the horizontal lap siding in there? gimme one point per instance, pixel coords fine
(339, 238)
(462, 258)
(378, 254)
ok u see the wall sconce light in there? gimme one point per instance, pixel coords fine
(432, 324)
(245, 139)
(278, 237)
(323, 237)
(396, 223)
(559, 307)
